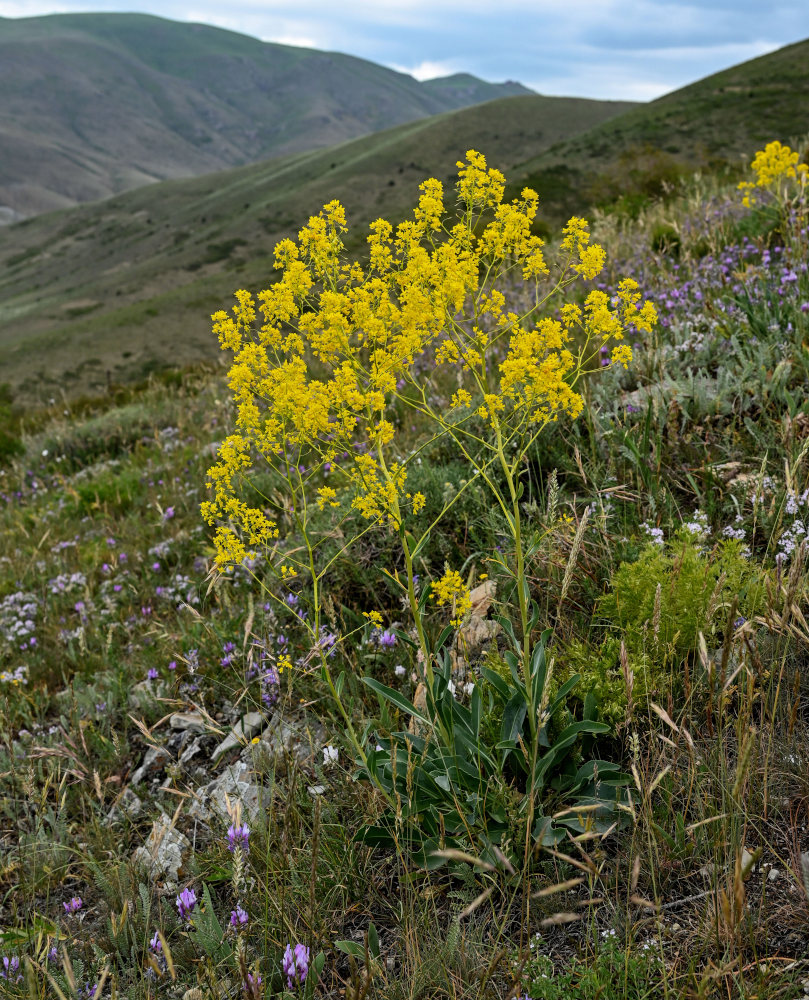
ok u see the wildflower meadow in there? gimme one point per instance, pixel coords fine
(451, 641)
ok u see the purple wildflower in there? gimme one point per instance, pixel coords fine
(152, 675)
(238, 835)
(295, 964)
(74, 905)
(238, 917)
(11, 969)
(155, 943)
(253, 985)
(186, 902)
(168, 513)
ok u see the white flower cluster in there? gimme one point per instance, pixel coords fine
(655, 534)
(18, 617)
(66, 583)
(698, 525)
(18, 676)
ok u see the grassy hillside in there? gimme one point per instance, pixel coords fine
(95, 104)
(712, 123)
(201, 772)
(127, 285)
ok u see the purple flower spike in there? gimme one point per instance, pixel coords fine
(152, 675)
(295, 964)
(186, 902)
(11, 969)
(238, 836)
(238, 917)
(74, 905)
(155, 944)
(252, 986)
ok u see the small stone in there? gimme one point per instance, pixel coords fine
(482, 597)
(236, 782)
(192, 721)
(153, 763)
(747, 861)
(773, 875)
(162, 854)
(127, 804)
(239, 734)
(286, 737)
(190, 751)
(315, 790)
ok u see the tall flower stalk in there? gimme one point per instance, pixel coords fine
(331, 356)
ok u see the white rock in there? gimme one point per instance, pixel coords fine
(163, 853)
(238, 784)
(239, 734)
(773, 874)
(127, 804)
(155, 760)
(188, 720)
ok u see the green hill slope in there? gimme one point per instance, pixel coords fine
(712, 123)
(95, 104)
(128, 283)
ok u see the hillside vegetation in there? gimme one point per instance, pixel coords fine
(95, 104)
(710, 125)
(512, 702)
(128, 284)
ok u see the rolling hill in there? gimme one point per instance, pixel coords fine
(95, 104)
(714, 123)
(127, 285)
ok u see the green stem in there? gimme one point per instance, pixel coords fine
(519, 571)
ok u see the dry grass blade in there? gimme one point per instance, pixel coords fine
(467, 910)
(664, 715)
(551, 890)
(451, 854)
(167, 956)
(587, 866)
(560, 918)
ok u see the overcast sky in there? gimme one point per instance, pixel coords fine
(632, 49)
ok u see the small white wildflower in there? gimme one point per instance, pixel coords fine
(399, 670)
(330, 755)
(469, 687)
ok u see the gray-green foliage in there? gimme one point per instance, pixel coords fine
(448, 786)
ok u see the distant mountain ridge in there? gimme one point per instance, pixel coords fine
(128, 284)
(95, 104)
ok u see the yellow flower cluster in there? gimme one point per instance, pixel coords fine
(451, 589)
(323, 355)
(772, 165)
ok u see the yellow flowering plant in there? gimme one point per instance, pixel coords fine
(327, 359)
(774, 167)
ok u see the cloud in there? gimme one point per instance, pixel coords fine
(427, 69)
(622, 49)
